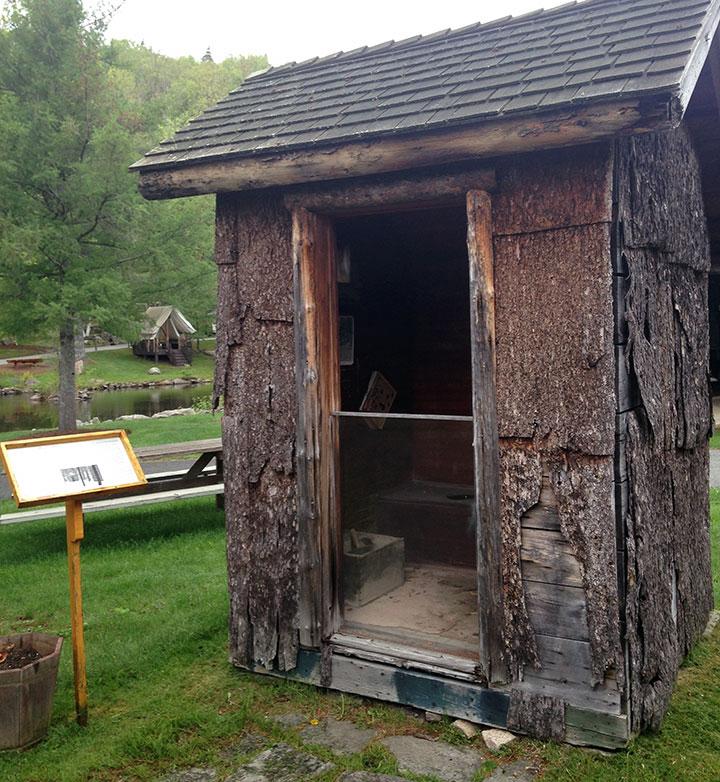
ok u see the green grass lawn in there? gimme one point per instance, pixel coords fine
(163, 695)
(108, 366)
(151, 431)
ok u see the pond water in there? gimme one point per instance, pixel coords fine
(18, 413)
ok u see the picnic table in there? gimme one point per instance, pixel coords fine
(200, 479)
(197, 474)
(24, 362)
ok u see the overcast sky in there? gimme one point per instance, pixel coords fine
(288, 30)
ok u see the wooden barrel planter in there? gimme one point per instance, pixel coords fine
(26, 693)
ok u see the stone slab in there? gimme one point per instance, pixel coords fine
(192, 775)
(495, 739)
(366, 776)
(291, 720)
(434, 758)
(281, 764)
(519, 771)
(343, 738)
(247, 744)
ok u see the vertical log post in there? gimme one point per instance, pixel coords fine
(318, 378)
(487, 456)
(75, 533)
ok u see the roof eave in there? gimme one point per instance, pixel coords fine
(569, 125)
(699, 54)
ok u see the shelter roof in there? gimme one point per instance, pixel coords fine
(156, 317)
(581, 53)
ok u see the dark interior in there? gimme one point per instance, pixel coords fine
(407, 494)
(408, 295)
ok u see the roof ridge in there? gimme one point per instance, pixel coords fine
(457, 32)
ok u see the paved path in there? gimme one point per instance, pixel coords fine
(258, 758)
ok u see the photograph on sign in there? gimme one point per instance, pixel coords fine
(70, 466)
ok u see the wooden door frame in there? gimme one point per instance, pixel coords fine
(318, 378)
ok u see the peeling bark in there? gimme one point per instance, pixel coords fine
(255, 373)
(540, 716)
(555, 381)
(521, 483)
(669, 590)
(583, 489)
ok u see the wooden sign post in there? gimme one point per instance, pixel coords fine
(71, 468)
(75, 533)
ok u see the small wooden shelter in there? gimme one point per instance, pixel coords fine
(166, 333)
(463, 349)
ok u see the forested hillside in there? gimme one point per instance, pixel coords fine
(77, 242)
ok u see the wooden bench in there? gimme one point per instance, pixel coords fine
(24, 362)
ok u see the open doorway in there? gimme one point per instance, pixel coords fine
(405, 430)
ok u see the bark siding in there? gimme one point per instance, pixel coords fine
(255, 374)
(556, 411)
(665, 251)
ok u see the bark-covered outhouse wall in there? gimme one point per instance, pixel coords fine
(556, 417)
(664, 410)
(555, 232)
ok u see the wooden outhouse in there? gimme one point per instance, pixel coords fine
(463, 347)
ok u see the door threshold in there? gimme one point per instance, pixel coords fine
(349, 643)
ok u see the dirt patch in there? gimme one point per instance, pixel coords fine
(12, 657)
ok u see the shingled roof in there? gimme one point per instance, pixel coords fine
(591, 51)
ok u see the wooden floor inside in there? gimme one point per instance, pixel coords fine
(435, 609)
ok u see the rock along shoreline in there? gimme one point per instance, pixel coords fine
(86, 393)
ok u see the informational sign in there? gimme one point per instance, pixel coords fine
(50, 469)
(72, 467)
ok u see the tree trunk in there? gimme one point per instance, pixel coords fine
(66, 370)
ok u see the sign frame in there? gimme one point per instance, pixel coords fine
(90, 494)
(75, 532)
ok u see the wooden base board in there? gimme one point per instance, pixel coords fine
(431, 692)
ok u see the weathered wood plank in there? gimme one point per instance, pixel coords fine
(319, 395)
(557, 610)
(547, 557)
(568, 127)
(597, 722)
(566, 660)
(485, 430)
(627, 396)
(543, 515)
(621, 284)
(581, 695)
(402, 655)
(391, 192)
(412, 688)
